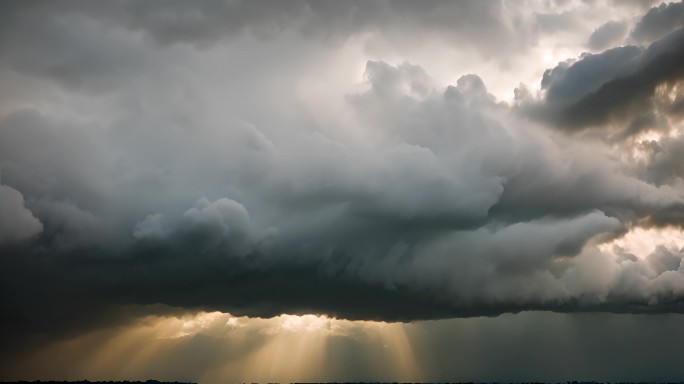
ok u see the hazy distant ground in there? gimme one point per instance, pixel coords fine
(177, 382)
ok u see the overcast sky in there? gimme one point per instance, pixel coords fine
(342, 190)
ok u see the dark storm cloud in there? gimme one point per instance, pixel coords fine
(614, 88)
(659, 21)
(375, 246)
(166, 155)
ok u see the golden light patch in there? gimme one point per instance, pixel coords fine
(642, 242)
(220, 347)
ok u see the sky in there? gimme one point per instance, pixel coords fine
(292, 190)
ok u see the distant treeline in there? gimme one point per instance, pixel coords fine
(94, 382)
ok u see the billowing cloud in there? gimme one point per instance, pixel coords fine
(659, 21)
(17, 222)
(623, 88)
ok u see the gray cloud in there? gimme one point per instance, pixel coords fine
(611, 89)
(666, 161)
(659, 21)
(552, 22)
(33, 32)
(17, 222)
(607, 35)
